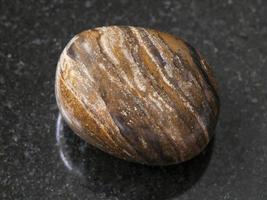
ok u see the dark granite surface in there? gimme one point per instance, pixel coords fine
(40, 158)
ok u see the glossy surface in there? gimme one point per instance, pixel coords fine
(233, 36)
(139, 94)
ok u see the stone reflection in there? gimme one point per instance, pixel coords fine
(104, 174)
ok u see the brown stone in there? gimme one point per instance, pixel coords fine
(139, 94)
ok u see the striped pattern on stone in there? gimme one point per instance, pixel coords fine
(139, 94)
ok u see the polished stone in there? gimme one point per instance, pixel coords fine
(139, 94)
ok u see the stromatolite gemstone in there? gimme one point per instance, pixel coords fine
(138, 94)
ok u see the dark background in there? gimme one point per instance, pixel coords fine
(231, 34)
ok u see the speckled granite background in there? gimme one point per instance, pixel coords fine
(40, 158)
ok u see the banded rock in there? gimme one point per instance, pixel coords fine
(139, 94)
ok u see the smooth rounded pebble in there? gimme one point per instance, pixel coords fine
(139, 94)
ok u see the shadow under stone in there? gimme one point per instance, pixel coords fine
(115, 178)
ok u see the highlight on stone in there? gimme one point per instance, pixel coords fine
(138, 94)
